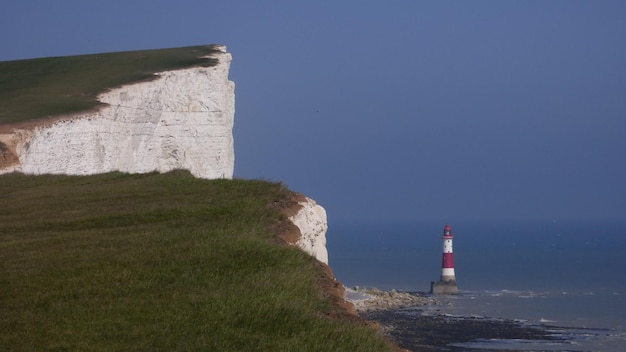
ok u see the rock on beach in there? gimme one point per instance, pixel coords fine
(365, 300)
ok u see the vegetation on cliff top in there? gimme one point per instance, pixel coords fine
(38, 88)
(120, 262)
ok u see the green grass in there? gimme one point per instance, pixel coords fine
(37, 88)
(119, 262)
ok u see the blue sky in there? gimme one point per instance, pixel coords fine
(398, 110)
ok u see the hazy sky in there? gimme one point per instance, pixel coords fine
(394, 110)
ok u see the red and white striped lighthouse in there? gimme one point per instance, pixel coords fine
(447, 284)
(447, 265)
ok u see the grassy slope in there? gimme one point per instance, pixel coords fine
(147, 262)
(157, 262)
(37, 88)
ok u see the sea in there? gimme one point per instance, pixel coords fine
(567, 276)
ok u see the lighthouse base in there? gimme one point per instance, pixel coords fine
(444, 287)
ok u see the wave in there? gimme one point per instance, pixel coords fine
(505, 293)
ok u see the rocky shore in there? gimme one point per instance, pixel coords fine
(367, 300)
(399, 315)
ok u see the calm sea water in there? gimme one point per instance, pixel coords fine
(563, 274)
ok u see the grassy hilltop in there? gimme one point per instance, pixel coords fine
(120, 262)
(37, 88)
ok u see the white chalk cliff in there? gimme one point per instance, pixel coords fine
(311, 220)
(181, 120)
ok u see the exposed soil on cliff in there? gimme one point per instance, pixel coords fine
(288, 234)
(286, 231)
(7, 156)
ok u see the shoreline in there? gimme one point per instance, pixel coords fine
(400, 318)
(415, 332)
(366, 300)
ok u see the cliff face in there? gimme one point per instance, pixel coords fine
(181, 120)
(312, 223)
(306, 229)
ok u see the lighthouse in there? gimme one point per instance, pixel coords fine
(447, 283)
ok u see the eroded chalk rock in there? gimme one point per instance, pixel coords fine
(312, 222)
(181, 120)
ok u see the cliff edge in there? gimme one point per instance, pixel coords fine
(305, 227)
(183, 119)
